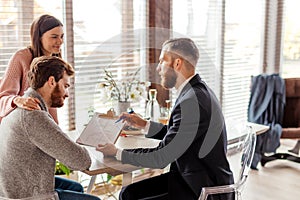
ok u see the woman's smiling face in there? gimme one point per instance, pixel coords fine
(52, 40)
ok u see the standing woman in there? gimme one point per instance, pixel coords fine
(46, 39)
(47, 35)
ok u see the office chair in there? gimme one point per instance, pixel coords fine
(246, 147)
(266, 106)
(291, 121)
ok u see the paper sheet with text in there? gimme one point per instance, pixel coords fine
(100, 130)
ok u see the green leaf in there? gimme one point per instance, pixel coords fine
(61, 169)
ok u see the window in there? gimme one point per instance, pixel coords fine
(107, 36)
(96, 43)
(228, 34)
(16, 17)
(202, 22)
(242, 54)
(291, 40)
(111, 35)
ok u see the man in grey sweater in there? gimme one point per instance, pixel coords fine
(31, 140)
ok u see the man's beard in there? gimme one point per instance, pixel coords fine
(56, 98)
(169, 79)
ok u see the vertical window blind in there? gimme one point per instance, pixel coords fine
(111, 35)
(100, 35)
(291, 40)
(106, 37)
(228, 34)
(242, 54)
(16, 17)
(202, 22)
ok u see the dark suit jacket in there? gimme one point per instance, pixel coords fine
(194, 141)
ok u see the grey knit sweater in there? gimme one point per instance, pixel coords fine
(30, 142)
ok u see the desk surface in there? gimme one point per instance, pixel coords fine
(111, 166)
(235, 132)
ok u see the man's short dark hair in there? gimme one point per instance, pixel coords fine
(43, 67)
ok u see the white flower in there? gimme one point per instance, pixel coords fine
(131, 90)
(135, 95)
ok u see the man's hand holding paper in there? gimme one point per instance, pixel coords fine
(107, 149)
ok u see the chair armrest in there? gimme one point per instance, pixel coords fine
(217, 190)
(223, 189)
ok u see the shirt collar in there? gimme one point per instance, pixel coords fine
(180, 88)
(33, 93)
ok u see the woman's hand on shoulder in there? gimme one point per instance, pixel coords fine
(28, 103)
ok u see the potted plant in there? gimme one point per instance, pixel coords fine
(123, 91)
(61, 169)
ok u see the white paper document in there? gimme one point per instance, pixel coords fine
(100, 130)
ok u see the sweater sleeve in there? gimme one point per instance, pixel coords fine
(46, 135)
(14, 82)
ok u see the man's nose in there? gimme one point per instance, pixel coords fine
(158, 68)
(67, 93)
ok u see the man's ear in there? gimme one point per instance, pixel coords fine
(177, 64)
(51, 81)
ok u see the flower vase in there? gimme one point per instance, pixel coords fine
(122, 107)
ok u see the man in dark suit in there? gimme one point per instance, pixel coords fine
(194, 141)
